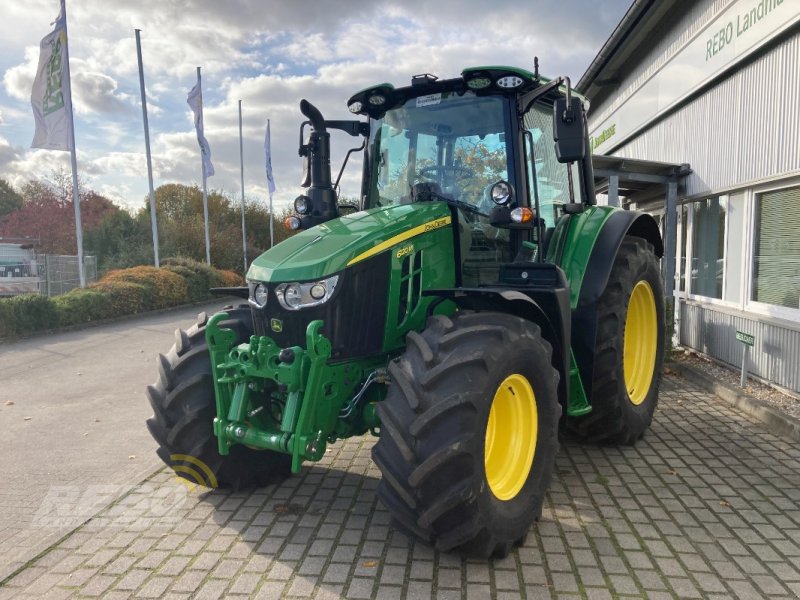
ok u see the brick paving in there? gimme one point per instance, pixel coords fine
(707, 505)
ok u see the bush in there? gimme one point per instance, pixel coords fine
(26, 314)
(127, 298)
(231, 279)
(118, 293)
(204, 276)
(195, 285)
(8, 323)
(83, 306)
(164, 288)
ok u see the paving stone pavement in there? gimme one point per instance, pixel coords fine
(707, 505)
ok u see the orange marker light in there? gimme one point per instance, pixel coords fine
(521, 215)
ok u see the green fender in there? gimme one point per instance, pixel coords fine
(585, 246)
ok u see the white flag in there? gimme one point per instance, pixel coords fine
(50, 96)
(195, 101)
(268, 153)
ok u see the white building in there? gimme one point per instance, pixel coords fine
(713, 85)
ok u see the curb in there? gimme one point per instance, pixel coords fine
(778, 422)
(118, 319)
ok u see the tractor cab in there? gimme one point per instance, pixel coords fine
(483, 143)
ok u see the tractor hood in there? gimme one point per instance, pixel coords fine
(330, 247)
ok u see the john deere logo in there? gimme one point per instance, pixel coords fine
(276, 325)
(194, 471)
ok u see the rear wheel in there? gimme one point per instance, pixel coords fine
(184, 408)
(629, 349)
(469, 433)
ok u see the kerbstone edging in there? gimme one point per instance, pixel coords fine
(779, 422)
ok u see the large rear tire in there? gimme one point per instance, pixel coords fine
(469, 433)
(184, 408)
(629, 349)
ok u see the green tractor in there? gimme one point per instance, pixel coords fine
(474, 304)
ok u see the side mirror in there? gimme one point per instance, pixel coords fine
(306, 178)
(568, 129)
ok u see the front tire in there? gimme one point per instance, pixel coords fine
(469, 433)
(629, 349)
(184, 408)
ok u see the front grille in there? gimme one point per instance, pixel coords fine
(354, 318)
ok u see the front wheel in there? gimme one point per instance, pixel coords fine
(184, 408)
(469, 433)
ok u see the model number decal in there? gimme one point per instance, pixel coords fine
(405, 251)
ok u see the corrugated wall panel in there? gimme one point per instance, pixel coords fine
(695, 16)
(745, 129)
(775, 355)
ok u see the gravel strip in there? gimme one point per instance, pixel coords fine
(777, 398)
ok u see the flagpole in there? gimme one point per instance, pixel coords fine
(203, 163)
(241, 165)
(153, 221)
(270, 185)
(73, 157)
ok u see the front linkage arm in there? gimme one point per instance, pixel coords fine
(313, 391)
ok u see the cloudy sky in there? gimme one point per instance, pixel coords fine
(267, 53)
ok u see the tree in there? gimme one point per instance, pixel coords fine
(120, 241)
(10, 200)
(182, 233)
(47, 213)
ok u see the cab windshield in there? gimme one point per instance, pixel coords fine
(454, 143)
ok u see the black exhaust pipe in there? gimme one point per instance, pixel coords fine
(324, 206)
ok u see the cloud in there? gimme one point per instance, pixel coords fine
(95, 93)
(269, 55)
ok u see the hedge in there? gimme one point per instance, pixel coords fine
(83, 306)
(118, 293)
(163, 288)
(22, 315)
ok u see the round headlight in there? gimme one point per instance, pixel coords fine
(292, 223)
(302, 205)
(479, 83)
(377, 100)
(260, 295)
(292, 294)
(317, 291)
(510, 82)
(355, 107)
(502, 193)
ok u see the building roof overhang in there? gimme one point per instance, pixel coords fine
(635, 28)
(637, 180)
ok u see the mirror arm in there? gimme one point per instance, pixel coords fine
(354, 128)
(344, 164)
(533, 96)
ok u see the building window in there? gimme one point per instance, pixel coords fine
(708, 247)
(683, 219)
(776, 251)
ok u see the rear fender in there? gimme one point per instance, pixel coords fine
(598, 269)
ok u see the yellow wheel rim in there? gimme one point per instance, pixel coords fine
(511, 434)
(641, 342)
